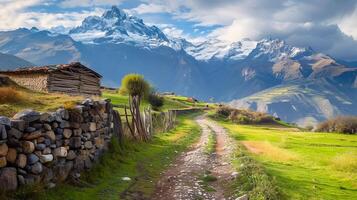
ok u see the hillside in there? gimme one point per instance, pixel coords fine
(9, 62)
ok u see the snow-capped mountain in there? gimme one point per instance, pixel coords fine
(116, 43)
(116, 26)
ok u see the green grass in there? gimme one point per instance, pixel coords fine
(305, 165)
(211, 143)
(142, 162)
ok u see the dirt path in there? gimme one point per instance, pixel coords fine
(193, 174)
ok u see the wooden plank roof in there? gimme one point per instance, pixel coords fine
(48, 69)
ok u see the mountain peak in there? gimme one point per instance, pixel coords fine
(114, 12)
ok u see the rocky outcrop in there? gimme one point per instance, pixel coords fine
(50, 147)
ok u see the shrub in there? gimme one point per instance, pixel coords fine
(155, 100)
(245, 116)
(134, 85)
(10, 95)
(341, 124)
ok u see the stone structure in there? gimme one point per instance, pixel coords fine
(73, 78)
(49, 147)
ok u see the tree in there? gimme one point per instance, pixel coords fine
(136, 87)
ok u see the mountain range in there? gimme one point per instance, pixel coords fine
(296, 84)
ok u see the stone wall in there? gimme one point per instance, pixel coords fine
(37, 82)
(50, 147)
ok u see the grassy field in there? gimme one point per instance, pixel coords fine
(142, 162)
(305, 165)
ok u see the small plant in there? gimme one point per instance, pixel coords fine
(156, 101)
(11, 95)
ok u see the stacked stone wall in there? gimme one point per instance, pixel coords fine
(50, 147)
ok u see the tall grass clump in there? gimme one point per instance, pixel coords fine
(11, 95)
(341, 124)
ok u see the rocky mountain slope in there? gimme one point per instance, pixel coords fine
(9, 61)
(116, 43)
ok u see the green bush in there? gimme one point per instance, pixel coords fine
(156, 101)
(245, 116)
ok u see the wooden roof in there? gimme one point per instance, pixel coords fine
(49, 69)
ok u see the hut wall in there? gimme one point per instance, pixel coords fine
(74, 81)
(37, 82)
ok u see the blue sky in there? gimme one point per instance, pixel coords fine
(329, 26)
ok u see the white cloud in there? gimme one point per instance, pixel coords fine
(89, 3)
(349, 25)
(15, 15)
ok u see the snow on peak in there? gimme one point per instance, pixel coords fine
(116, 26)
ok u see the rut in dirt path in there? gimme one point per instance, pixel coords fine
(193, 174)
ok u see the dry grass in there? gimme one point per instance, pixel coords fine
(270, 151)
(346, 162)
(11, 95)
(13, 100)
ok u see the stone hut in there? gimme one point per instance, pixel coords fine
(73, 79)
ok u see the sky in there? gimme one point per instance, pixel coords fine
(328, 26)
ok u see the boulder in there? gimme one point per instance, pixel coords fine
(59, 131)
(47, 142)
(14, 133)
(40, 140)
(3, 149)
(33, 135)
(63, 113)
(21, 160)
(21, 179)
(32, 159)
(46, 158)
(11, 155)
(18, 124)
(67, 133)
(60, 152)
(8, 178)
(99, 142)
(28, 147)
(3, 162)
(36, 168)
(27, 115)
(50, 135)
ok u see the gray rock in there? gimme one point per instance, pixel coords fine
(21, 180)
(3, 132)
(36, 168)
(21, 160)
(63, 113)
(88, 145)
(30, 129)
(65, 124)
(32, 159)
(8, 178)
(60, 152)
(62, 170)
(67, 133)
(71, 155)
(14, 133)
(47, 127)
(5, 121)
(46, 117)
(47, 150)
(59, 131)
(28, 115)
(46, 158)
(18, 124)
(40, 147)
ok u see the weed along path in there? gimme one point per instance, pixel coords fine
(204, 172)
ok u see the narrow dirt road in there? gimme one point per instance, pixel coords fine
(197, 174)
